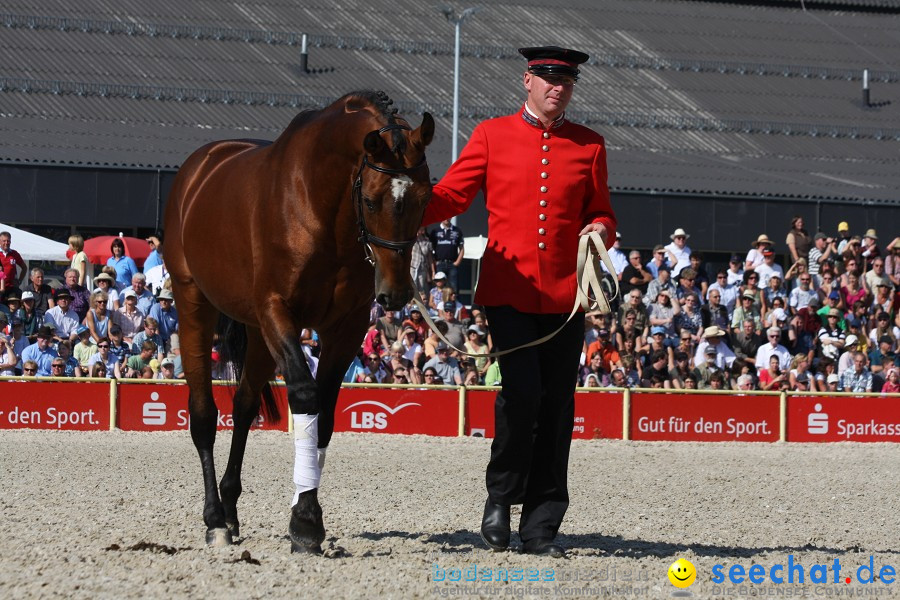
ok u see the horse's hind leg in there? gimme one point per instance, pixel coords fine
(197, 321)
(258, 369)
(306, 528)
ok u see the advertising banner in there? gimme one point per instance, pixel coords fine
(164, 407)
(54, 405)
(597, 414)
(704, 418)
(409, 411)
(843, 419)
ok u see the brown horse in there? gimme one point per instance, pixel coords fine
(278, 236)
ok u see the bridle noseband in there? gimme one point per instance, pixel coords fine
(365, 236)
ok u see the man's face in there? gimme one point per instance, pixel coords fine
(804, 282)
(4, 243)
(773, 338)
(443, 354)
(748, 327)
(714, 298)
(150, 330)
(679, 240)
(664, 275)
(138, 285)
(878, 266)
(548, 95)
(43, 342)
(103, 347)
(859, 363)
(695, 263)
(63, 303)
(71, 278)
(635, 298)
(37, 279)
(447, 315)
(146, 354)
(635, 259)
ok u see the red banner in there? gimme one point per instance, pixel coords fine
(597, 414)
(409, 411)
(843, 419)
(164, 407)
(54, 405)
(704, 418)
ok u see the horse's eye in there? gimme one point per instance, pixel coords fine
(369, 204)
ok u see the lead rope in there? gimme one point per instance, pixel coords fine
(589, 293)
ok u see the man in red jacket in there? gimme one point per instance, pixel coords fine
(544, 184)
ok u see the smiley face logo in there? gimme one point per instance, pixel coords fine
(682, 573)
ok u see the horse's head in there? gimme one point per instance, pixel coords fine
(391, 190)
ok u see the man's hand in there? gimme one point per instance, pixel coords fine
(598, 227)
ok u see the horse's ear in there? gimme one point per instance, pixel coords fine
(426, 129)
(373, 143)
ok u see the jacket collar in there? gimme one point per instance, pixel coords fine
(532, 119)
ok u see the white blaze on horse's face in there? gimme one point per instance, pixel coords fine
(399, 185)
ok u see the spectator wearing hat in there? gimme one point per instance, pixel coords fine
(706, 367)
(105, 282)
(859, 378)
(166, 369)
(80, 300)
(618, 258)
(446, 367)
(106, 358)
(436, 295)
(892, 381)
(747, 342)
(735, 271)
(163, 310)
(714, 337)
(449, 248)
(658, 259)
(475, 345)
(755, 256)
(416, 322)
(680, 251)
(746, 311)
(843, 237)
(40, 292)
(12, 265)
(773, 348)
(768, 268)
(882, 357)
(456, 333)
(634, 275)
(154, 259)
(869, 250)
(663, 281)
(129, 317)
(12, 305)
(883, 327)
(62, 317)
(827, 379)
(82, 350)
(658, 341)
(145, 299)
(41, 352)
(822, 251)
(558, 169)
(831, 336)
(124, 265)
(798, 240)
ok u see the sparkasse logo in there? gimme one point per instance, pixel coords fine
(817, 422)
(154, 413)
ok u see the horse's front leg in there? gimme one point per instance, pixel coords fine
(306, 529)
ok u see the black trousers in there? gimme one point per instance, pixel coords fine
(534, 414)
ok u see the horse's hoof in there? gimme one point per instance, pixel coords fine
(301, 549)
(234, 528)
(306, 529)
(218, 537)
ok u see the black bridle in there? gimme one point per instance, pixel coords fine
(365, 236)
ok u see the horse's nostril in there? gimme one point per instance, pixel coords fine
(382, 299)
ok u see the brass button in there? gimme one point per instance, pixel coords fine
(542, 231)
(544, 175)
(543, 203)
(542, 217)
(546, 135)
(542, 245)
(543, 188)
(545, 148)
(545, 161)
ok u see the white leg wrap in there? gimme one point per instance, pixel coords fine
(307, 469)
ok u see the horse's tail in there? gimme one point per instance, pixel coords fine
(232, 349)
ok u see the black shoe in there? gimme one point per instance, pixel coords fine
(543, 547)
(495, 526)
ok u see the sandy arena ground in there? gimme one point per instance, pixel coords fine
(117, 515)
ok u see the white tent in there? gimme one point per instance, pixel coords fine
(34, 247)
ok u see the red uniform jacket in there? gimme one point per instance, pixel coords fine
(541, 188)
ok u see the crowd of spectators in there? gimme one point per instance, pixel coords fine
(108, 326)
(825, 320)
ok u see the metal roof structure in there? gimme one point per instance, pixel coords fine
(692, 97)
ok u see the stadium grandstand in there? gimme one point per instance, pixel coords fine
(724, 118)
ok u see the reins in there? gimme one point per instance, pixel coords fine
(590, 293)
